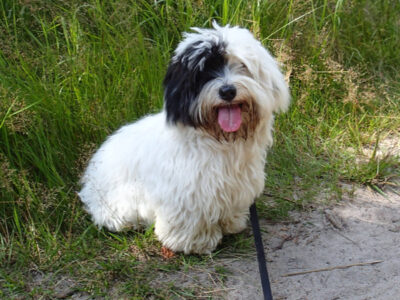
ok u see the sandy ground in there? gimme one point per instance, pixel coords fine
(351, 251)
(361, 230)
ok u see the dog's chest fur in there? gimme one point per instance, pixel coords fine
(213, 177)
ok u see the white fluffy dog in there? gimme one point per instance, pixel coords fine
(194, 168)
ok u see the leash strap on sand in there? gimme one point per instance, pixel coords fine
(262, 264)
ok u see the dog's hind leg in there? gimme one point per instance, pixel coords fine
(117, 209)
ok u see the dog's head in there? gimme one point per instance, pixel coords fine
(223, 81)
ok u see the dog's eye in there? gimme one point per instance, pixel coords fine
(239, 66)
(244, 69)
(243, 66)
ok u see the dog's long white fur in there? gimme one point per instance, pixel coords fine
(192, 186)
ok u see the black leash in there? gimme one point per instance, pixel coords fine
(262, 264)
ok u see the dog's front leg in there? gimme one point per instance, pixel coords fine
(188, 234)
(234, 223)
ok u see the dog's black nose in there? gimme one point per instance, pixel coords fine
(227, 92)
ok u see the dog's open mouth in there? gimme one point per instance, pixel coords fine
(230, 117)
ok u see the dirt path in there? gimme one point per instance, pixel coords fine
(363, 229)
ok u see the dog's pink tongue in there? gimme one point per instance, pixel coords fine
(230, 118)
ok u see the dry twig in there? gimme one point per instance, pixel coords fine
(333, 268)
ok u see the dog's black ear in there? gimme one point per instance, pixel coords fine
(186, 75)
(178, 93)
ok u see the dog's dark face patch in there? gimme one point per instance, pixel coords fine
(186, 76)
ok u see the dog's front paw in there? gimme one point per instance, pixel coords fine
(189, 239)
(234, 224)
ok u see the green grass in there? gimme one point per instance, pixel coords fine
(71, 72)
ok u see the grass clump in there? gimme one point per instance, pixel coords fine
(71, 72)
